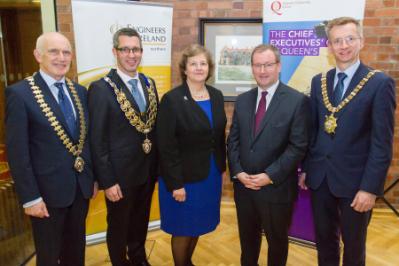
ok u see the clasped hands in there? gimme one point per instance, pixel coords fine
(254, 182)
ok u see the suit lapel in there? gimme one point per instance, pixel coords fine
(330, 84)
(360, 73)
(52, 102)
(197, 110)
(252, 107)
(274, 104)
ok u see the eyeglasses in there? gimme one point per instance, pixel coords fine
(56, 52)
(267, 66)
(127, 50)
(349, 40)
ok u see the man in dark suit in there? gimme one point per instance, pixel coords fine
(268, 138)
(351, 148)
(48, 153)
(123, 108)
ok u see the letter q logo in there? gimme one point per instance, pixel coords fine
(276, 7)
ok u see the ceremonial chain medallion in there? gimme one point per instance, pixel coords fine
(330, 123)
(133, 116)
(76, 149)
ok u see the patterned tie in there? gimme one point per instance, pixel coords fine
(339, 89)
(67, 110)
(137, 95)
(260, 113)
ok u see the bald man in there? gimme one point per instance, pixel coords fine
(48, 153)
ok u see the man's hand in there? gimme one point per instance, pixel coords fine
(38, 210)
(95, 190)
(261, 180)
(114, 193)
(179, 194)
(301, 181)
(363, 201)
(246, 180)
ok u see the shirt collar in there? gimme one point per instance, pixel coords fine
(49, 79)
(125, 78)
(350, 71)
(271, 90)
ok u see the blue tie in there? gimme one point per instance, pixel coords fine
(137, 95)
(66, 108)
(339, 89)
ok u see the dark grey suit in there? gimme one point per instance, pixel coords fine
(276, 150)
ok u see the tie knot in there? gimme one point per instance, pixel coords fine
(133, 82)
(264, 93)
(341, 76)
(58, 85)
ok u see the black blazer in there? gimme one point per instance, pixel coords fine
(40, 164)
(116, 145)
(187, 140)
(279, 145)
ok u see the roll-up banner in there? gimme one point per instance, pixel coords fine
(94, 23)
(297, 28)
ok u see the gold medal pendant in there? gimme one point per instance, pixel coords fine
(79, 164)
(330, 124)
(147, 145)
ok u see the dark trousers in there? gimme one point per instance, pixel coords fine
(334, 217)
(62, 236)
(128, 224)
(255, 215)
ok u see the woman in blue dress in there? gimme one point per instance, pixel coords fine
(191, 137)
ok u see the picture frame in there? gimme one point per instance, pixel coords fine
(230, 42)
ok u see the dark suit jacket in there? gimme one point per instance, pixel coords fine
(40, 164)
(357, 157)
(278, 147)
(186, 138)
(118, 156)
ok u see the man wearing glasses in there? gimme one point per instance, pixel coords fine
(123, 108)
(353, 110)
(268, 139)
(48, 153)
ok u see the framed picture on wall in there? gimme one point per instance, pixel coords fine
(230, 42)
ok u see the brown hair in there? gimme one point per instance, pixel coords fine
(130, 32)
(194, 50)
(343, 21)
(264, 47)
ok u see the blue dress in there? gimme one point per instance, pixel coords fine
(200, 212)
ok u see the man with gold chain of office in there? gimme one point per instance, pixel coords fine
(48, 153)
(123, 108)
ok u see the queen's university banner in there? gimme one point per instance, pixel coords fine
(95, 22)
(297, 28)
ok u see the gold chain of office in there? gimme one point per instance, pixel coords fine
(133, 116)
(76, 149)
(330, 123)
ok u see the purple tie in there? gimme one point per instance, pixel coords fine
(260, 113)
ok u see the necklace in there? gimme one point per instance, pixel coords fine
(133, 116)
(331, 123)
(76, 149)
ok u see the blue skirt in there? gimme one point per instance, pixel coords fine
(200, 213)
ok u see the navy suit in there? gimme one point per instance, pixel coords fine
(41, 166)
(355, 158)
(276, 150)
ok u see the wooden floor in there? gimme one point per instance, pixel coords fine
(222, 246)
